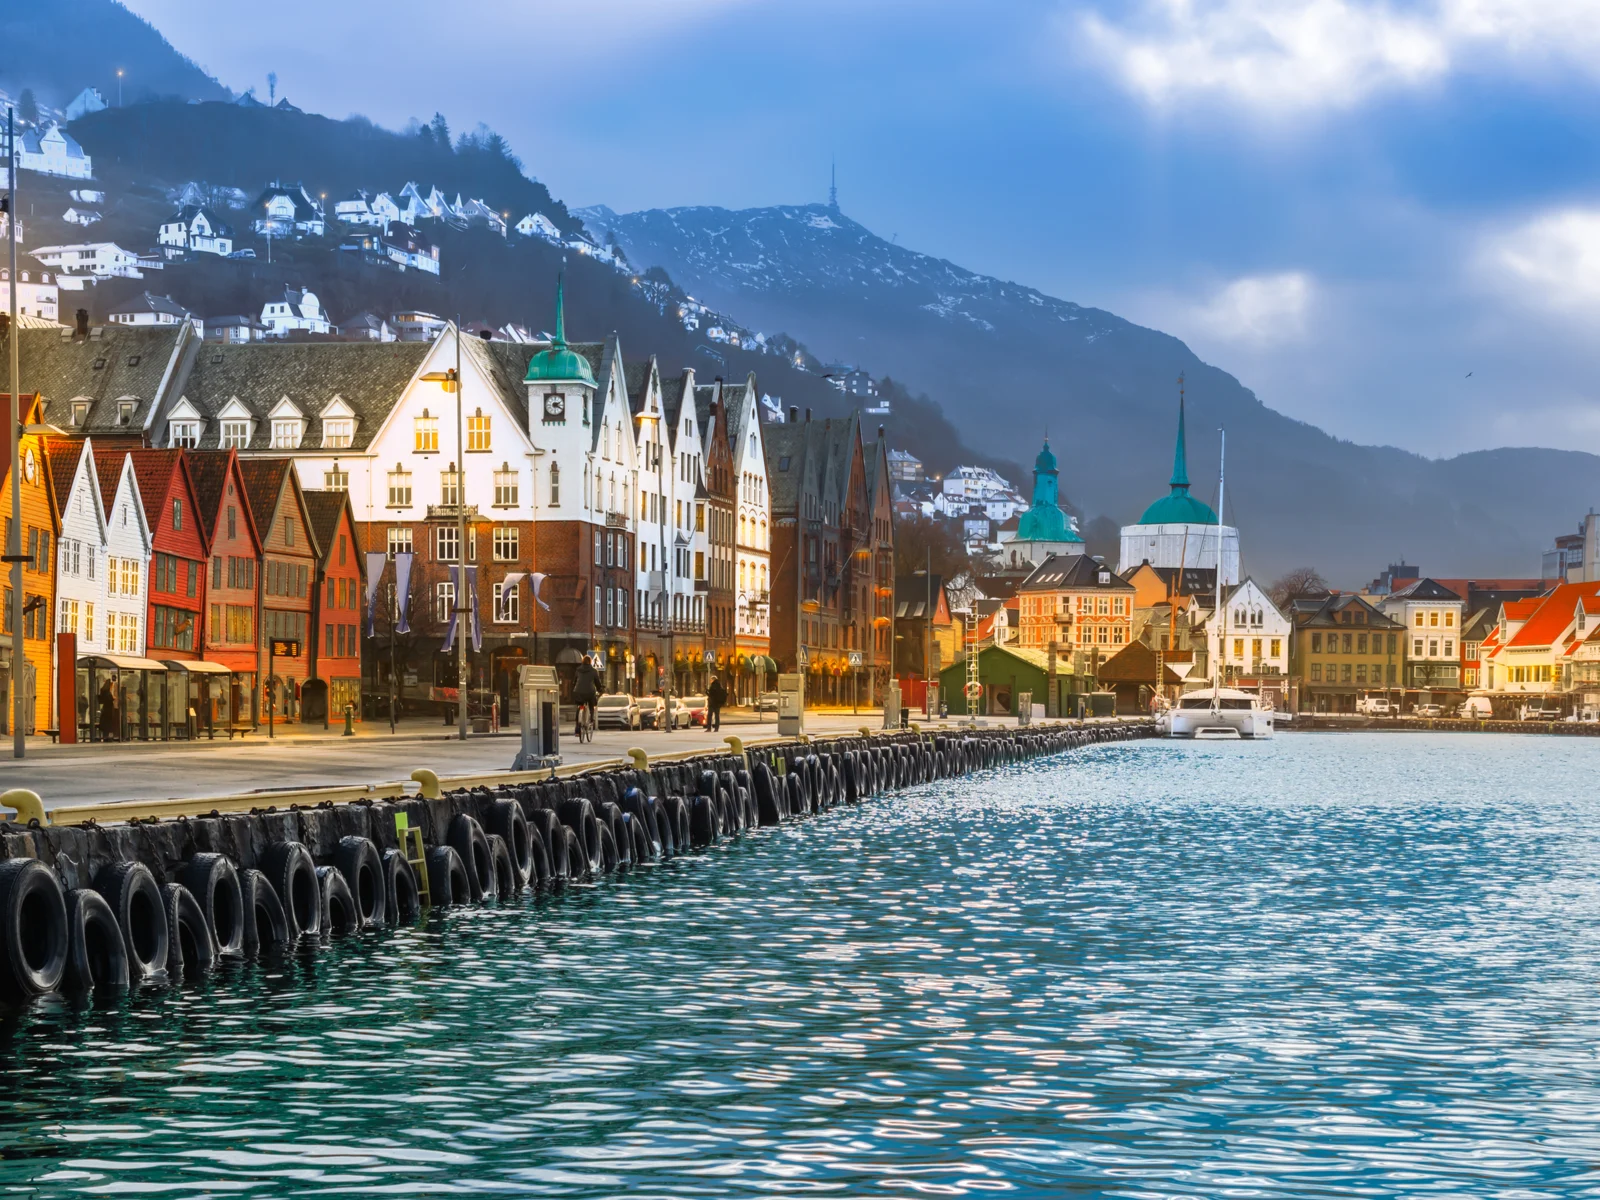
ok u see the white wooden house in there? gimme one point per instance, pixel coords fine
(82, 549)
(356, 209)
(753, 542)
(128, 552)
(384, 210)
(49, 151)
(538, 225)
(197, 230)
(98, 260)
(81, 216)
(288, 211)
(295, 310)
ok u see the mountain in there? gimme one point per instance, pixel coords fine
(60, 47)
(1008, 362)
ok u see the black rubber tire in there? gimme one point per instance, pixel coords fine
(852, 780)
(447, 878)
(578, 815)
(550, 832)
(539, 879)
(135, 899)
(469, 841)
(507, 822)
(361, 865)
(340, 914)
(767, 806)
(402, 902)
(266, 924)
(214, 882)
(643, 849)
(611, 817)
(190, 950)
(97, 957)
(290, 870)
(702, 821)
(608, 848)
(507, 879)
(797, 793)
(33, 929)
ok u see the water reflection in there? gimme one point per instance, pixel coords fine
(1325, 966)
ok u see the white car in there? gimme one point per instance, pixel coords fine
(1375, 706)
(616, 712)
(767, 702)
(652, 712)
(1428, 710)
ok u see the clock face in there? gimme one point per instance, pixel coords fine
(30, 467)
(555, 407)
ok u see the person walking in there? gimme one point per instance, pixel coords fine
(108, 712)
(585, 690)
(716, 697)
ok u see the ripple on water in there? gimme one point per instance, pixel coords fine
(1342, 965)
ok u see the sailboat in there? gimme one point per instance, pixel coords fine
(1217, 713)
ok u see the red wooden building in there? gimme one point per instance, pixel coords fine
(336, 601)
(288, 572)
(230, 696)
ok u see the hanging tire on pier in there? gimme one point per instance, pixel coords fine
(292, 873)
(506, 820)
(447, 878)
(214, 882)
(358, 860)
(506, 879)
(402, 901)
(189, 947)
(469, 841)
(767, 809)
(135, 899)
(339, 912)
(96, 954)
(265, 922)
(33, 929)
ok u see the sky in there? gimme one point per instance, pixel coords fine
(1382, 217)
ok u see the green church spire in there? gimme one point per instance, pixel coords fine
(559, 364)
(560, 341)
(1180, 455)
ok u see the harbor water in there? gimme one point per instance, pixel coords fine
(1329, 965)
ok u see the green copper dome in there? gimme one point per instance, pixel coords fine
(1044, 521)
(559, 364)
(1178, 507)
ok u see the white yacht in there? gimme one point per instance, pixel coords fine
(1217, 712)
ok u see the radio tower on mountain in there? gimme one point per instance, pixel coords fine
(833, 185)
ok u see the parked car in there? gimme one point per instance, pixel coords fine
(696, 706)
(616, 712)
(1428, 710)
(767, 702)
(652, 712)
(1541, 710)
(682, 718)
(1477, 707)
(1375, 706)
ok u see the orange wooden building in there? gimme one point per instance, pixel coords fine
(41, 526)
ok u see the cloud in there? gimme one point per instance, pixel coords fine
(1256, 310)
(1550, 262)
(1281, 57)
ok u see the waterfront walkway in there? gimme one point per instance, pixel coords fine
(301, 758)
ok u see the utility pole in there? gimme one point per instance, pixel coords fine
(462, 613)
(14, 540)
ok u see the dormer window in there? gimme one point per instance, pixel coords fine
(286, 434)
(338, 432)
(80, 413)
(186, 434)
(125, 412)
(235, 435)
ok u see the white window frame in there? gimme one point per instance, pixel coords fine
(235, 435)
(506, 604)
(400, 540)
(507, 543)
(446, 544)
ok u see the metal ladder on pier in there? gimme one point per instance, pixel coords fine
(411, 846)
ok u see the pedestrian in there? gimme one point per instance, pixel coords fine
(108, 712)
(716, 697)
(585, 689)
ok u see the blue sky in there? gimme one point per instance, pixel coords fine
(1350, 205)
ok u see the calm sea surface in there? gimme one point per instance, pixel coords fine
(1332, 965)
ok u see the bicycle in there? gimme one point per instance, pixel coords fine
(585, 727)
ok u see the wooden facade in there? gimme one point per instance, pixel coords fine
(289, 556)
(40, 530)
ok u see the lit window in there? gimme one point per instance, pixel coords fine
(399, 488)
(478, 431)
(427, 433)
(450, 487)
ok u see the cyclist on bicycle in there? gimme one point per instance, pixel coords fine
(585, 693)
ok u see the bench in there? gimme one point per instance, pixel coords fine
(53, 734)
(241, 730)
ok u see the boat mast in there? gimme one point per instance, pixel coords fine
(1222, 480)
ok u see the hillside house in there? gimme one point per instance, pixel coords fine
(401, 247)
(85, 102)
(367, 327)
(410, 207)
(384, 210)
(538, 225)
(49, 151)
(80, 216)
(476, 212)
(288, 211)
(148, 309)
(37, 293)
(197, 230)
(415, 325)
(234, 330)
(92, 260)
(296, 311)
(356, 209)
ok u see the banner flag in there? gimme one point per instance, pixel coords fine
(375, 561)
(402, 592)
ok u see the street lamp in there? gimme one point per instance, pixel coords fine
(451, 382)
(661, 523)
(119, 87)
(13, 553)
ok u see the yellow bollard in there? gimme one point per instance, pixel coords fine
(865, 732)
(427, 783)
(641, 760)
(737, 744)
(28, 805)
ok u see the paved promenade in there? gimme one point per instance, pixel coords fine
(155, 771)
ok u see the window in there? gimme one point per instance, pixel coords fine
(507, 546)
(1238, 649)
(1347, 643)
(1433, 647)
(1277, 647)
(1316, 672)
(1416, 648)
(286, 434)
(235, 435)
(1344, 672)
(505, 602)
(1449, 619)
(555, 486)
(1316, 643)
(444, 599)
(446, 543)
(622, 608)
(1361, 643)
(1449, 647)
(399, 488)
(171, 628)
(425, 433)
(288, 531)
(699, 564)
(67, 622)
(450, 487)
(1419, 618)
(1361, 672)
(399, 540)
(177, 514)
(184, 433)
(80, 412)
(505, 487)
(338, 432)
(241, 623)
(599, 607)
(477, 431)
(336, 480)
(233, 521)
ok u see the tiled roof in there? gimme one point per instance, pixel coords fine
(368, 376)
(1073, 572)
(153, 469)
(116, 362)
(1554, 613)
(63, 454)
(1425, 589)
(325, 506)
(1321, 612)
(263, 484)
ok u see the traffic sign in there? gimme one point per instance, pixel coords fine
(855, 660)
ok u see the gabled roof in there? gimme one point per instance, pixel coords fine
(1553, 615)
(210, 469)
(325, 507)
(1424, 589)
(64, 455)
(1321, 612)
(157, 472)
(1182, 581)
(1073, 572)
(117, 362)
(147, 302)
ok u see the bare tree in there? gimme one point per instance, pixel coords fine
(1301, 581)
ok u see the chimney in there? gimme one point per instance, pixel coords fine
(794, 414)
(83, 323)
(808, 416)
(880, 433)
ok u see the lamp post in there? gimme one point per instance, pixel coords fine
(19, 748)
(451, 382)
(119, 87)
(661, 524)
